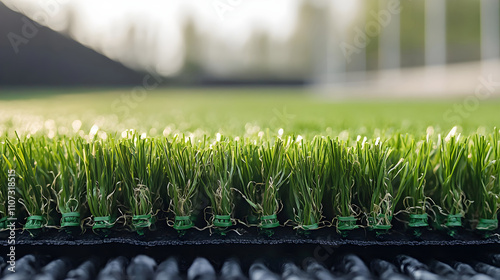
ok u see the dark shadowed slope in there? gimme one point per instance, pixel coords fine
(45, 57)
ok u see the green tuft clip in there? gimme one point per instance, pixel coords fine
(183, 223)
(487, 224)
(418, 220)
(34, 222)
(270, 221)
(105, 222)
(310, 227)
(222, 221)
(140, 222)
(454, 220)
(70, 219)
(379, 223)
(346, 223)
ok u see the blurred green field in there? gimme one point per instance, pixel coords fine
(236, 112)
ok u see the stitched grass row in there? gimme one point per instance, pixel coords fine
(73, 183)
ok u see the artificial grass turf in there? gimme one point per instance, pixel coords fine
(138, 176)
(401, 172)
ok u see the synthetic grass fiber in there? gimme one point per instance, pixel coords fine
(216, 158)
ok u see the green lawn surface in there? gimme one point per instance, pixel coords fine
(242, 112)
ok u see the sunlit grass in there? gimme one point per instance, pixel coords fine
(276, 151)
(219, 170)
(36, 173)
(232, 112)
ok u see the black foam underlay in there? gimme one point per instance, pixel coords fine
(164, 236)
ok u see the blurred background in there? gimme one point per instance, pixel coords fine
(340, 48)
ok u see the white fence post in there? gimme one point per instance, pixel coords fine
(490, 34)
(435, 32)
(389, 40)
(435, 45)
